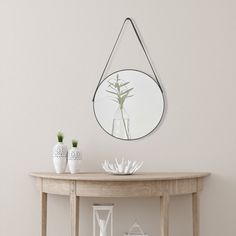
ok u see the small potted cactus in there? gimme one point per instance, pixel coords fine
(74, 158)
(60, 153)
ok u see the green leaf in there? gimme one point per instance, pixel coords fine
(123, 99)
(127, 91)
(111, 92)
(124, 84)
(110, 86)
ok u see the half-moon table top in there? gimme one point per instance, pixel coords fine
(102, 176)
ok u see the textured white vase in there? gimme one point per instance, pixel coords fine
(74, 160)
(60, 153)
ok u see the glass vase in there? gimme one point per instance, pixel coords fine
(121, 124)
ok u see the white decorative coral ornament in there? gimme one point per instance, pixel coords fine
(125, 167)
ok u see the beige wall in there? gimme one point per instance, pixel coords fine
(51, 56)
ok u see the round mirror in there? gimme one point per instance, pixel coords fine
(128, 104)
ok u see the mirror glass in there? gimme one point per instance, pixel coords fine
(128, 104)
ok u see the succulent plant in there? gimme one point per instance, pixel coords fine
(74, 143)
(60, 137)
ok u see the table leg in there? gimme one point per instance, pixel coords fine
(165, 215)
(196, 215)
(74, 212)
(43, 213)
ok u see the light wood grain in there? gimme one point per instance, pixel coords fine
(145, 188)
(164, 201)
(43, 212)
(104, 185)
(74, 210)
(151, 188)
(59, 187)
(196, 214)
(88, 176)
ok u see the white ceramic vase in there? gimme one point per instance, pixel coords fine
(60, 153)
(74, 160)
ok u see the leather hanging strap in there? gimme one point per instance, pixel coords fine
(113, 49)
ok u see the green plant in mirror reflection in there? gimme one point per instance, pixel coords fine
(120, 91)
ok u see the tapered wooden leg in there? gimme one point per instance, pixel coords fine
(74, 211)
(43, 214)
(165, 215)
(196, 215)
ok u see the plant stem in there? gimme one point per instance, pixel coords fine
(122, 114)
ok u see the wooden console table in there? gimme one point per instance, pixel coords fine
(161, 185)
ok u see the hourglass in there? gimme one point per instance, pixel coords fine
(103, 219)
